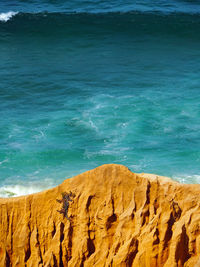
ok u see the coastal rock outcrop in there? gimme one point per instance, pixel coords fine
(116, 218)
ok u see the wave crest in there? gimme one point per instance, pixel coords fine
(7, 16)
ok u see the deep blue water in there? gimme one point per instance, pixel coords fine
(92, 82)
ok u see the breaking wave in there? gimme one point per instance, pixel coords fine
(4, 17)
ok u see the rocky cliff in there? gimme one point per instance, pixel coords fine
(117, 218)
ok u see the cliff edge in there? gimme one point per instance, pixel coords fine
(117, 218)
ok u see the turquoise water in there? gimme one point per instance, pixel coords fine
(89, 83)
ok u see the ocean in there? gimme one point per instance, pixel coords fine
(86, 83)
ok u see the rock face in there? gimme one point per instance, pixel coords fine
(117, 218)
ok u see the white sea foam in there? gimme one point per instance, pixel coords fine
(6, 16)
(21, 190)
(187, 179)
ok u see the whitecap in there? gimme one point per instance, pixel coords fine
(7, 16)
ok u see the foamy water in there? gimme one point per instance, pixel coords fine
(15, 190)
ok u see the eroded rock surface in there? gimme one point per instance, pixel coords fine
(117, 218)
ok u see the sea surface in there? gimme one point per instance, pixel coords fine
(84, 83)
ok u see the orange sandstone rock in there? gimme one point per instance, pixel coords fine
(117, 218)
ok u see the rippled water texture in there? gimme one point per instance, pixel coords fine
(88, 83)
